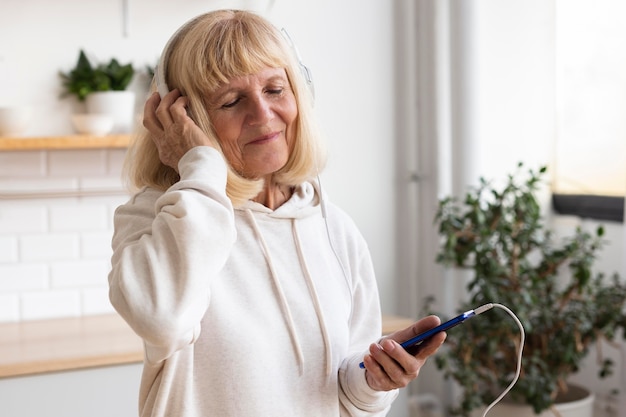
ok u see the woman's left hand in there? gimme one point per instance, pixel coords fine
(389, 366)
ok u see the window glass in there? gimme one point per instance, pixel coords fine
(590, 155)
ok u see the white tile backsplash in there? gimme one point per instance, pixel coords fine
(96, 301)
(79, 274)
(23, 219)
(9, 308)
(35, 185)
(23, 277)
(96, 245)
(116, 161)
(8, 249)
(78, 217)
(48, 304)
(22, 164)
(87, 162)
(55, 245)
(49, 247)
(100, 183)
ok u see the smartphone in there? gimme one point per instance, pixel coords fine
(412, 345)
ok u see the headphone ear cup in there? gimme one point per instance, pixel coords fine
(160, 72)
(159, 76)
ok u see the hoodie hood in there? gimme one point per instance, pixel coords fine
(304, 202)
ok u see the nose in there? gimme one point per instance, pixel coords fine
(260, 111)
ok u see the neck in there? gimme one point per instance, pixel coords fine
(273, 195)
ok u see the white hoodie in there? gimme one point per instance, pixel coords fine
(245, 312)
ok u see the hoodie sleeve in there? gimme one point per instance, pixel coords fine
(167, 247)
(355, 395)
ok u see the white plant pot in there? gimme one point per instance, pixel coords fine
(577, 403)
(92, 123)
(14, 121)
(120, 105)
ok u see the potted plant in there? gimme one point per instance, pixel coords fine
(103, 88)
(498, 234)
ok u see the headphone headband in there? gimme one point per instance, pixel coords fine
(161, 68)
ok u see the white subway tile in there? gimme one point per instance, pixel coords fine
(52, 247)
(96, 245)
(79, 274)
(78, 217)
(50, 304)
(8, 249)
(23, 219)
(76, 163)
(116, 161)
(22, 164)
(23, 277)
(102, 183)
(9, 308)
(33, 186)
(96, 301)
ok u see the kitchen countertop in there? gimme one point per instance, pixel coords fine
(34, 347)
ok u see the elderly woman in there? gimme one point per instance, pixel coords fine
(253, 294)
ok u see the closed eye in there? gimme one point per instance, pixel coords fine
(231, 103)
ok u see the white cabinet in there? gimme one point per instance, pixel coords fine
(95, 392)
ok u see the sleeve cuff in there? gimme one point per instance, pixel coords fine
(360, 393)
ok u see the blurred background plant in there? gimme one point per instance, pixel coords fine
(564, 305)
(86, 77)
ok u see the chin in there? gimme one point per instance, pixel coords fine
(264, 171)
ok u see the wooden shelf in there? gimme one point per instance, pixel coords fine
(63, 142)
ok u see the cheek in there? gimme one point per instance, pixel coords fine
(227, 134)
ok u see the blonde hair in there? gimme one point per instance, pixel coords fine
(206, 52)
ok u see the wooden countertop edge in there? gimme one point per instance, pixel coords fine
(31, 348)
(70, 364)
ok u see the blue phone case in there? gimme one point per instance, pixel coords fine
(412, 345)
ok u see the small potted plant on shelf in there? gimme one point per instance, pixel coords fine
(498, 234)
(103, 87)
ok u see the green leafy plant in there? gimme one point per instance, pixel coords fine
(86, 78)
(564, 305)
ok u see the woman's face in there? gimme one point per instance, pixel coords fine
(254, 119)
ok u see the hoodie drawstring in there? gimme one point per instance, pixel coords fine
(315, 298)
(284, 306)
(280, 295)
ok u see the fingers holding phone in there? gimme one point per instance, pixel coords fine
(389, 365)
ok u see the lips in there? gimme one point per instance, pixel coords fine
(261, 140)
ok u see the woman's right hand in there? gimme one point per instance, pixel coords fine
(173, 131)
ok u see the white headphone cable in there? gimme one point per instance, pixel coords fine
(519, 353)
